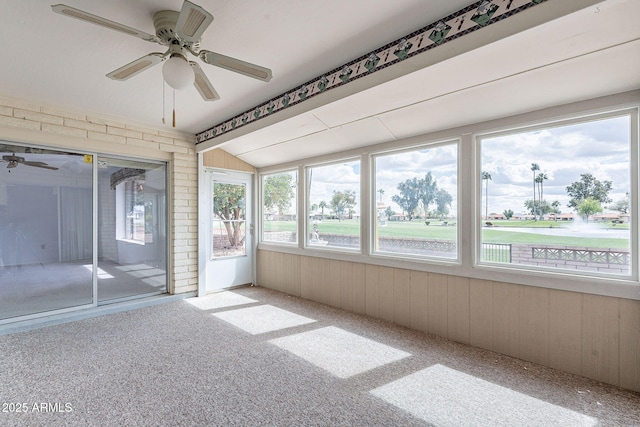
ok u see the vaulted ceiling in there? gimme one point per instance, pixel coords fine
(553, 53)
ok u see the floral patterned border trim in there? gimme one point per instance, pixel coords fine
(478, 15)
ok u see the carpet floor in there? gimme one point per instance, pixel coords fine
(254, 357)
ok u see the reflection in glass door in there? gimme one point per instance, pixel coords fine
(132, 250)
(46, 226)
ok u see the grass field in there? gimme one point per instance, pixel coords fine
(498, 233)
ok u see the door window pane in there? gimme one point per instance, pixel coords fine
(334, 206)
(229, 219)
(559, 197)
(46, 228)
(416, 202)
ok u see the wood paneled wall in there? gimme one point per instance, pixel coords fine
(218, 158)
(594, 336)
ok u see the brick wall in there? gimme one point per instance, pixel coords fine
(30, 123)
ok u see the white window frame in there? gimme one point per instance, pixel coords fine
(261, 206)
(306, 189)
(373, 208)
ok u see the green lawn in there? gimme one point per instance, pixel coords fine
(498, 233)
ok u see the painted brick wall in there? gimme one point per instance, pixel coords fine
(30, 123)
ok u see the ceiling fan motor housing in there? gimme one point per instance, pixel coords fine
(165, 22)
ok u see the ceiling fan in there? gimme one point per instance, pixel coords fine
(181, 32)
(14, 161)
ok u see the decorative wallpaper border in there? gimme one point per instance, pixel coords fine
(465, 21)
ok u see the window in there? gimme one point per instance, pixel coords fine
(134, 205)
(279, 207)
(558, 197)
(333, 205)
(416, 202)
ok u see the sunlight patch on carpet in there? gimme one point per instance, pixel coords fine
(339, 352)
(262, 319)
(219, 300)
(445, 397)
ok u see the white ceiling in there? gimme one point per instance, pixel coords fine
(54, 60)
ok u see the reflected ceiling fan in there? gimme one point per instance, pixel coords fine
(14, 161)
(181, 32)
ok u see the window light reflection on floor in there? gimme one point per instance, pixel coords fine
(339, 352)
(445, 397)
(262, 319)
(101, 273)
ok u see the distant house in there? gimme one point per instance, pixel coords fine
(523, 217)
(565, 217)
(495, 216)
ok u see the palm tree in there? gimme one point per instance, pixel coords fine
(540, 179)
(534, 167)
(381, 191)
(486, 176)
(322, 205)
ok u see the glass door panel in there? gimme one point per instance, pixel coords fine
(132, 250)
(46, 223)
(229, 219)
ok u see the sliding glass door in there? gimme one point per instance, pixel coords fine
(46, 246)
(78, 230)
(132, 249)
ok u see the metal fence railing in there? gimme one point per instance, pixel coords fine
(496, 252)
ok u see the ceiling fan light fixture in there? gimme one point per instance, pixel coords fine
(177, 72)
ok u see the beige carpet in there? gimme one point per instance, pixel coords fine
(253, 357)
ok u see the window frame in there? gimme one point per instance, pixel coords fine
(307, 167)
(373, 156)
(469, 204)
(553, 123)
(296, 203)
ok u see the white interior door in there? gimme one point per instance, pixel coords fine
(228, 228)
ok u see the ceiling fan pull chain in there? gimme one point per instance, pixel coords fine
(174, 108)
(163, 101)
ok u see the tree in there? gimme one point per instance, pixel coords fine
(278, 192)
(428, 188)
(534, 167)
(343, 201)
(621, 205)
(322, 205)
(486, 176)
(540, 180)
(381, 191)
(588, 186)
(540, 208)
(508, 213)
(589, 206)
(389, 213)
(443, 201)
(409, 196)
(228, 205)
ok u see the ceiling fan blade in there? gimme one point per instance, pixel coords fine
(40, 165)
(235, 65)
(192, 22)
(137, 66)
(72, 12)
(203, 84)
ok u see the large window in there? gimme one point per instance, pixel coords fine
(333, 205)
(279, 207)
(416, 202)
(534, 204)
(558, 197)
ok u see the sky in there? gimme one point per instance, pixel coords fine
(563, 153)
